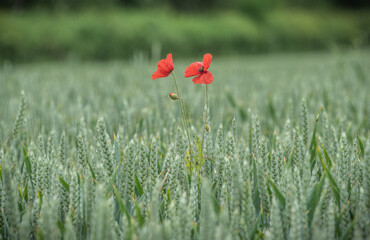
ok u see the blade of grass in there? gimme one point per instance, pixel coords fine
(122, 206)
(314, 141)
(139, 188)
(327, 158)
(140, 217)
(112, 180)
(277, 192)
(362, 153)
(92, 171)
(333, 184)
(64, 183)
(27, 161)
(347, 234)
(314, 198)
(254, 229)
(256, 198)
(117, 152)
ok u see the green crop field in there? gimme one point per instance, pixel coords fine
(99, 150)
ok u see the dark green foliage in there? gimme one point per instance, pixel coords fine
(142, 34)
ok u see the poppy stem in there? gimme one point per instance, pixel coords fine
(177, 89)
(206, 116)
(207, 97)
(183, 115)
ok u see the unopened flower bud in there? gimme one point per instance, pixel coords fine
(207, 127)
(173, 96)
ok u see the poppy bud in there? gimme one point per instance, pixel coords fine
(207, 127)
(173, 96)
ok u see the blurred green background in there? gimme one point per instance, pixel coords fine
(43, 30)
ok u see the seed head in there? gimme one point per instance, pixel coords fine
(207, 127)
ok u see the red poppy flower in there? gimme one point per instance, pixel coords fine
(199, 69)
(165, 67)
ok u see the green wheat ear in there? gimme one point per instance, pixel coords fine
(130, 169)
(153, 163)
(10, 207)
(304, 122)
(18, 124)
(104, 142)
(366, 177)
(81, 152)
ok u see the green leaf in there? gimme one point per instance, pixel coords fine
(314, 129)
(112, 181)
(64, 183)
(362, 154)
(61, 226)
(27, 161)
(277, 192)
(117, 152)
(41, 197)
(314, 198)
(243, 114)
(332, 182)
(20, 192)
(91, 170)
(256, 198)
(313, 140)
(79, 177)
(25, 193)
(313, 154)
(231, 99)
(122, 206)
(138, 187)
(169, 195)
(254, 229)
(271, 107)
(290, 158)
(327, 158)
(140, 217)
(346, 235)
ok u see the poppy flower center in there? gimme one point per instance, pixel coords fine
(201, 69)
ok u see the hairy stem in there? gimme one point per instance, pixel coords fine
(183, 115)
(206, 116)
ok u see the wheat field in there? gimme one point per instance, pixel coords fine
(98, 150)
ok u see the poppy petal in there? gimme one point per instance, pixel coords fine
(165, 66)
(204, 78)
(159, 74)
(169, 58)
(197, 80)
(207, 61)
(193, 69)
